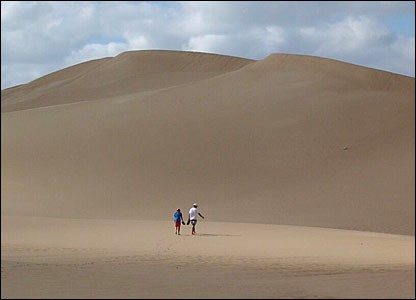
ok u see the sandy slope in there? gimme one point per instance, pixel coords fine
(95, 158)
(285, 140)
(129, 72)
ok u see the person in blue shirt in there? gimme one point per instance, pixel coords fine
(178, 219)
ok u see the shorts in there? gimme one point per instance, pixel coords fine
(177, 224)
(193, 222)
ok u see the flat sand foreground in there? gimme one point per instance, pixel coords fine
(103, 258)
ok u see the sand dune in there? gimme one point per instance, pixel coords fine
(258, 144)
(303, 167)
(361, 77)
(127, 73)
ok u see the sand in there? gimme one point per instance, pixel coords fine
(80, 258)
(303, 167)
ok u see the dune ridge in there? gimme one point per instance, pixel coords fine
(364, 77)
(128, 72)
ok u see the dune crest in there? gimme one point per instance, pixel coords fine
(364, 77)
(127, 73)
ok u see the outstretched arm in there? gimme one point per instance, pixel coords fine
(201, 216)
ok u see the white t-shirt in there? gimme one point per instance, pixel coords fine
(193, 212)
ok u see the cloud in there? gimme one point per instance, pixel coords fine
(363, 41)
(92, 51)
(207, 43)
(44, 36)
(354, 34)
(258, 42)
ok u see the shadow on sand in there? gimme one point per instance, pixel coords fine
(215, 234)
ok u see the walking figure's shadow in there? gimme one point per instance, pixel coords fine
(215, 234)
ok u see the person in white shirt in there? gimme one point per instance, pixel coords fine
(193, 216)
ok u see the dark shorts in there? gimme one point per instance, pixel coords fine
(193, 222)
(177, 224)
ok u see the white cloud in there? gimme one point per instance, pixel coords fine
(95, 51)
(46, 36)
(207, 43)
(353, 34)
(402, 52)
(138, 42)
(273, 38)
(362, 41)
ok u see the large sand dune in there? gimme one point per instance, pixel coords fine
(127, 73)
(286, 140)
(304, 168)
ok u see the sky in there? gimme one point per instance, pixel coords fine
(41, 37)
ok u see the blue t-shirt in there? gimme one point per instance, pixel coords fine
(177, 216)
